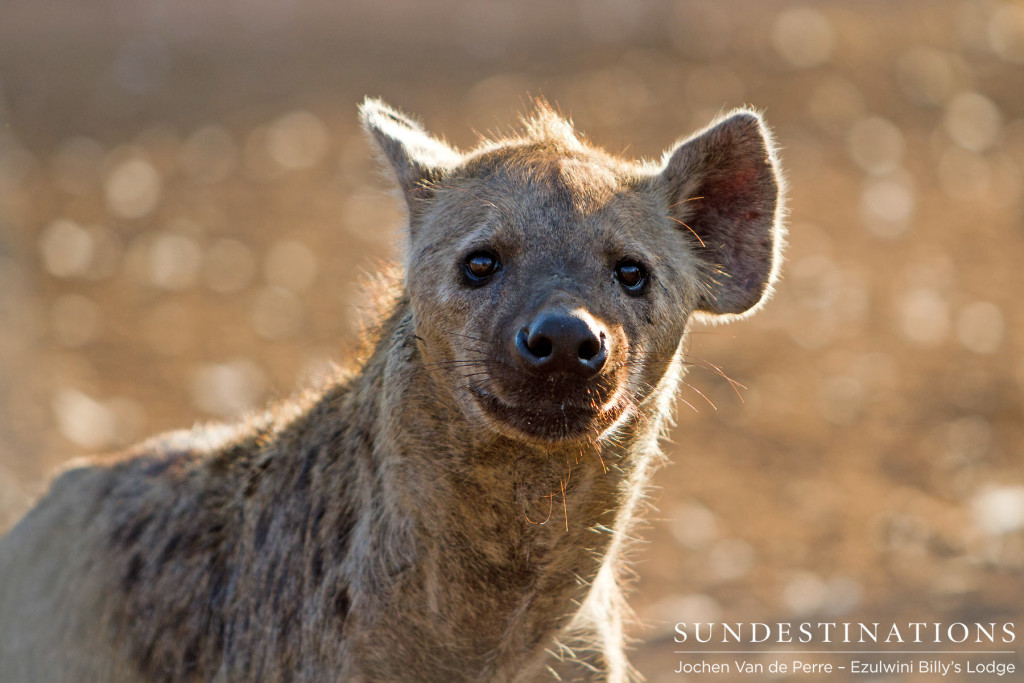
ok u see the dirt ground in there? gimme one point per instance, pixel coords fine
(187, 210)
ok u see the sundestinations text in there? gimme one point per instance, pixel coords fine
(845, 632)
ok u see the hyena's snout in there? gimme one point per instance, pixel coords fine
(559, 341)
(559, 377)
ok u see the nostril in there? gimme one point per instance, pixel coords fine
(540, 346)
(536, 345)
(589, 349)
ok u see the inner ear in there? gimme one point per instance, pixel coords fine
(723, 189)
(419, 160)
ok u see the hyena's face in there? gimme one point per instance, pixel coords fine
(549, 290)
(551, 283)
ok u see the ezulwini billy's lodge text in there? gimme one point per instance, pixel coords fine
(939, 668)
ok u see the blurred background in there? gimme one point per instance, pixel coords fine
(187, 209)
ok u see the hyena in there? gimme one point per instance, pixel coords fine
(456, 509)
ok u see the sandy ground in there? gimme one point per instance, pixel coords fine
(187, 208)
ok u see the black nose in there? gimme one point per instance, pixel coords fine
(560, 342)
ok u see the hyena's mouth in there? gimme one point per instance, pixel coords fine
(550, 419)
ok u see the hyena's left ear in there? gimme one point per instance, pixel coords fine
(722, 187)
(418, 159)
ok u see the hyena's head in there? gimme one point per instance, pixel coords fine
(551, 283)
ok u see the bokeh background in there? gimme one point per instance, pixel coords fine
(187, 209)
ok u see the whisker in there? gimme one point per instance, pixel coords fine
(684, 201)
(688, 404)
(701, 394)
(565, 506)
(551, 507)
(691, 230)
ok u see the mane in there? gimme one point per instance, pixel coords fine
(541, 126)
(544, 124)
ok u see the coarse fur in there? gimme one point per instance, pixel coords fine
(458, 508)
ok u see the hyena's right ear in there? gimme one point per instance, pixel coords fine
(418, 159)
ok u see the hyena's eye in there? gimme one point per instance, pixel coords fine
(479, 266)
(631, 275)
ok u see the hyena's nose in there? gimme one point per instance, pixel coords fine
(556, 341)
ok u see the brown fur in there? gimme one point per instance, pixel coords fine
(442, 514)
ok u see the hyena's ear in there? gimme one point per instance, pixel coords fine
(723, 188)
(418, 159)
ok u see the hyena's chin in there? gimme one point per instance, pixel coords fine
(563, 417)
